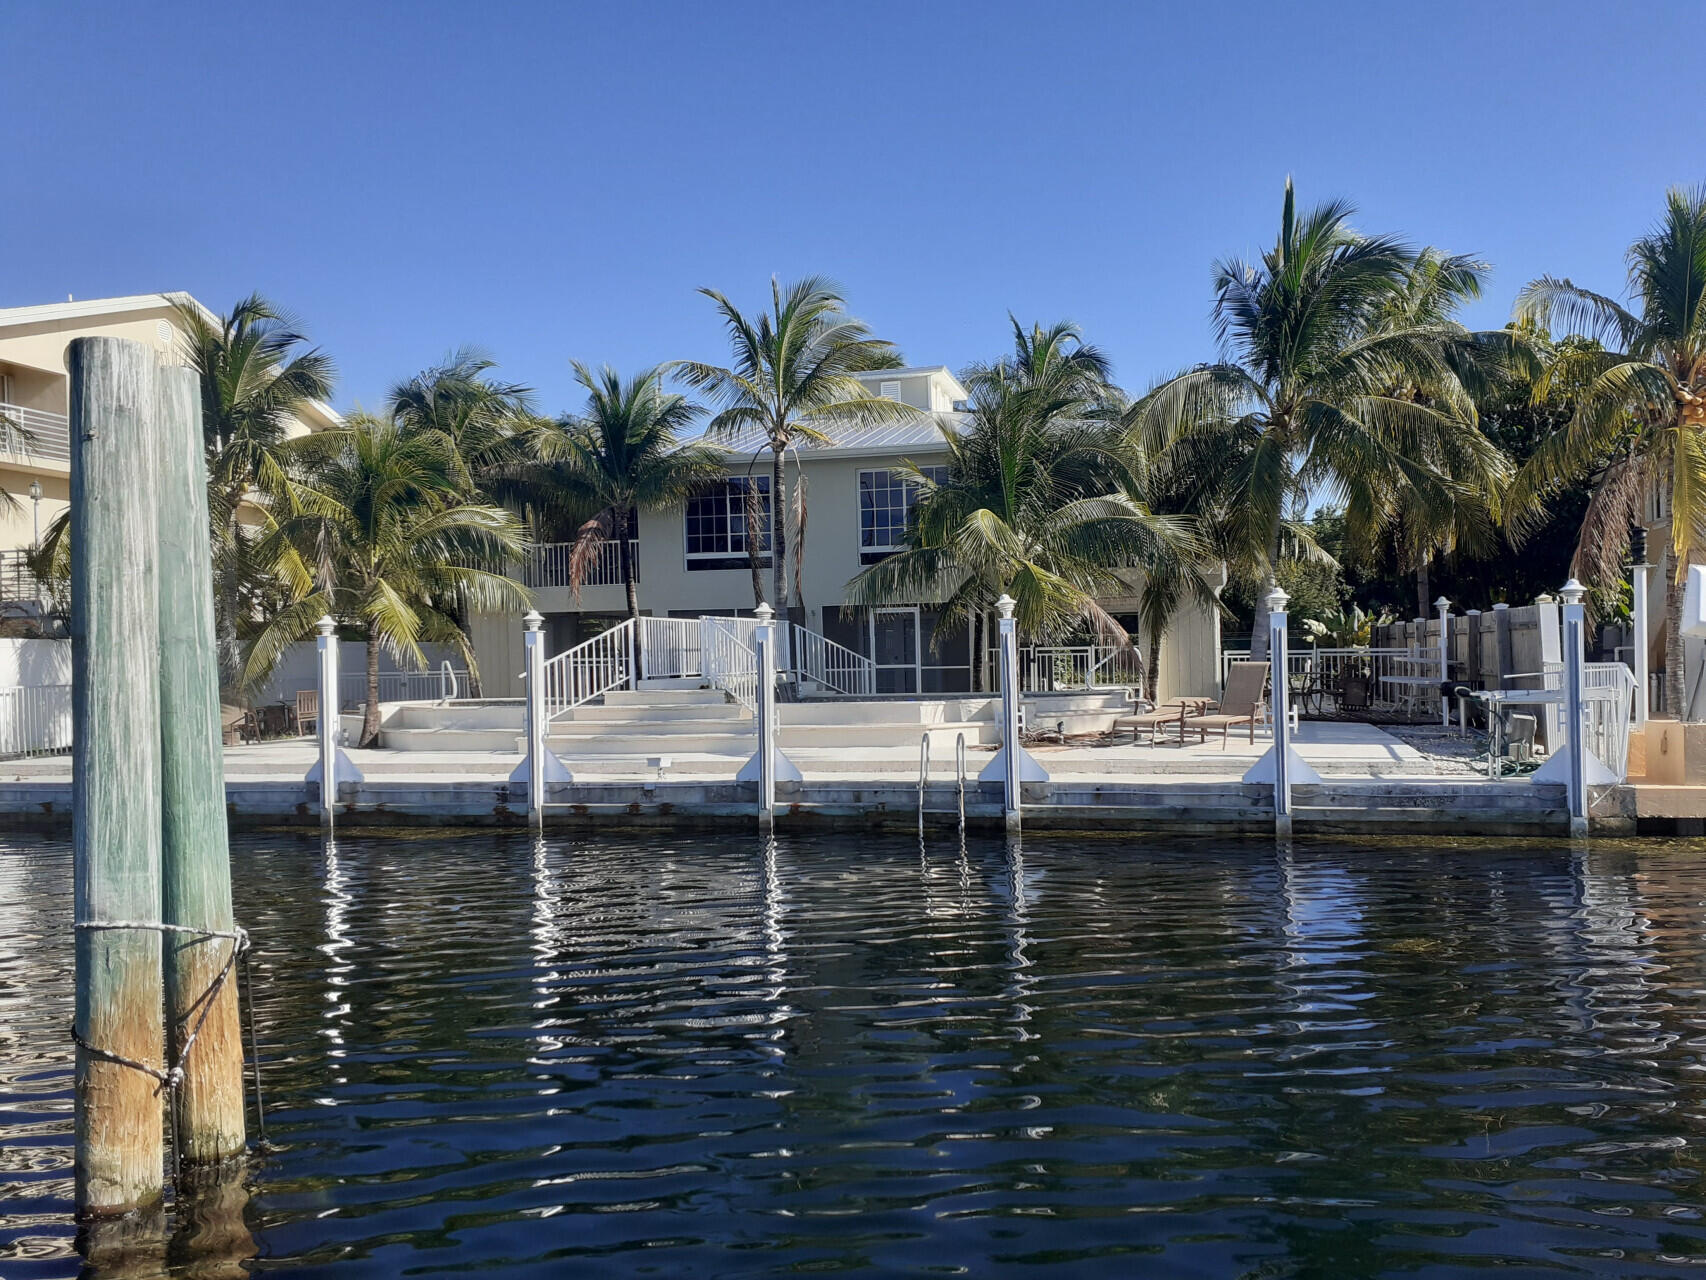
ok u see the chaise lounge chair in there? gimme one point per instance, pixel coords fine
(1152, 720)
(1241, 704)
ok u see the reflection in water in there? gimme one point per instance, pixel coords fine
(710, 1056)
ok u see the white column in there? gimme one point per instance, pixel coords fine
(326, 644)
(1010, 693)
(1575, 740)
(764, 643)
(533, 644)
(1638, 582)
(1279, 684)
(1444, 607)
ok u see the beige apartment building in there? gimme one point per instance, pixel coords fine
(692, 560)
(35, 452)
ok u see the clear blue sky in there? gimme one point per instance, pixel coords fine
(553, 181)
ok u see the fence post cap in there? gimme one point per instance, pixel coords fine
(1277, 599)
(764, 612)
(1501, 605)
(532, 620)
(1573, 592)
(1005, 605)
(1442, 604)
(325, 626)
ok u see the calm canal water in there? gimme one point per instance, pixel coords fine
(696, 1056)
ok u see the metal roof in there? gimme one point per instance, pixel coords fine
(897, 438)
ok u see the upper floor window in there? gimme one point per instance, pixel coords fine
(716, 523)
(1658, 498)
(886, 500)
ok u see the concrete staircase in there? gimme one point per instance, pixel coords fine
(679, 717)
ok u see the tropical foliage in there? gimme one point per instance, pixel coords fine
(1639, 427)
(375, 530)
(1338, 382)
(257, 375)
(621, 455)
(791, 381)
(1046, 501)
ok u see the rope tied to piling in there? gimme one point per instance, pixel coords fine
(170, 1078)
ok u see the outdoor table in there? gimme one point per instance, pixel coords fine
(1494, 700)
(1410, 689)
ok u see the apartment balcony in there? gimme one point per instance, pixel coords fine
(34, 435)
(548, 565)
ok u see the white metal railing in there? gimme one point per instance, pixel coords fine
(833, 666)
(728, 658)
(1331, 681)
(17, 582)
(34, 434)
(593, 667)
(1053, 668)
(1608, 706)
(408, 686)
(547, 565)
(35, 720)
(670, 646)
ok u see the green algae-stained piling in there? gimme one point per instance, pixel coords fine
(116, 769)
(197, 866)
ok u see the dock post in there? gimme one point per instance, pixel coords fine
(1575, 736)
(116, 832)
(1638, 581)
(326, 646)
(533, 643)
(1279, 683)
(764, 640)
(1444, 607)
(201, 984)
(1008, 640)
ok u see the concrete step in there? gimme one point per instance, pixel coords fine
(452, 739)
(650, 683)
(659, 714)
(668, 697)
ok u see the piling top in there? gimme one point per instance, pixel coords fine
(1005, 605)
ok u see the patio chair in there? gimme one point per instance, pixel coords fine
(236, 725)
(1241, 704)
(307, 709)
(1153, 719)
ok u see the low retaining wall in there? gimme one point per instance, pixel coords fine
(1406, 807)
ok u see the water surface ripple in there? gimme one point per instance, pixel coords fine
(704, 1056)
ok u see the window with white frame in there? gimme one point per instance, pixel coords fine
(716, 523)
(886, 499)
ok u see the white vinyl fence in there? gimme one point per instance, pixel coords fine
(35, 720)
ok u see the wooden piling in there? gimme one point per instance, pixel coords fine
(195, 852)
(116, 775)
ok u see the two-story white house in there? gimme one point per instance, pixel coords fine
(693, 560)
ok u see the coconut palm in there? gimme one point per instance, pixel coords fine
(1640, 421)
(1300, 406)
(488, 420)
(257, 374)
(791, 380)
(1042, 503)
(620, 455)
(377, 532)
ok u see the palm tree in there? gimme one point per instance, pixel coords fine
(1640, 421)
(620, 455)
(1300, 406)
(256, 377)
(488, 421)
(1042, 502)
(1437, 286)
(792, 380)
(377, 533)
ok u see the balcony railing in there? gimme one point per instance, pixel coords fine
(548, 566)
(17, 583)
(34, 435)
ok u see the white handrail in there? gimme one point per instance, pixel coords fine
(593, 667)
(446, 681)
(959, 776)
(728, 660)
(834, 666)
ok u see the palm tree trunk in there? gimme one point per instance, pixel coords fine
(1422, 603)
(1152, 670)
(975, 627)
(1676, 673)
(625, 557)
(778, 538)
(370, 713)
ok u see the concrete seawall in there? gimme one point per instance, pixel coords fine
(1408, 806)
